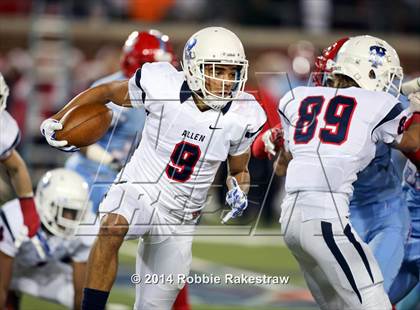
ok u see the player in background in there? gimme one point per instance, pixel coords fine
(16, 168)
(331, 133)
(99, 163)
(408, 277)
(196, 119)
(58, 273)
(378, 211)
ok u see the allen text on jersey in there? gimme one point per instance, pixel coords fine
(193, 136)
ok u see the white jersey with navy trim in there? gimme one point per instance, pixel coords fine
(331, 134)
(182, 147)
(9, 134)
(56, 248)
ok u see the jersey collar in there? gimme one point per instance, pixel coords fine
(185, 92)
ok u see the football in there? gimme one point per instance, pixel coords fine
(84, 125)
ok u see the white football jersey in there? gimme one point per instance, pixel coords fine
(56, 248)
(182, 147)
(9, 134)
(331, 134)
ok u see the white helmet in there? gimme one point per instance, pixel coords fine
(4, 93)
(214, 46)
(371, 62)
(61, 198)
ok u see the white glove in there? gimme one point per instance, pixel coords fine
(269, 146)
(48, 128)
(22, 236)
(414, 102)
(237, 200)
(273, 140)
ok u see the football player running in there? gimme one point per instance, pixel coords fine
(196, 119)
(99, 163)
(58, 273)
(16, 168)
(331, 133)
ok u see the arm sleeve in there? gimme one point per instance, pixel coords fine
(136, 90)
(391, 127)
(270, 107)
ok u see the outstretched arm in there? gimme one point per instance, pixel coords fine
(117, 92)
(18, 173)
(21, 181)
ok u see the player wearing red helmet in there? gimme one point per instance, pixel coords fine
(325, 60)
(142, 47)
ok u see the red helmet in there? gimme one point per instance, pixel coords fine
(142, 47)
(321, 62)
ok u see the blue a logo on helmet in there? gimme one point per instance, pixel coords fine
(46, 181)
(189, 54)
(376, 55)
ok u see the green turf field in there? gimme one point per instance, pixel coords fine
(30, 303)
(264, 259)
(270, 260)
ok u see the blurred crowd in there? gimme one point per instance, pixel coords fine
(18, 66)
(42, 81)
(312, 15)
